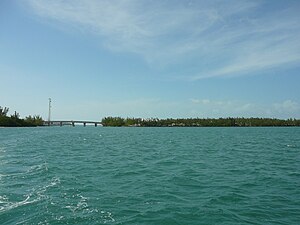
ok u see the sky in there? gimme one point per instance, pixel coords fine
(150, 58)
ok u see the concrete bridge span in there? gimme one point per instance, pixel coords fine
(71, 123)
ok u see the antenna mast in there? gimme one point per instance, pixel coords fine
(49, 114)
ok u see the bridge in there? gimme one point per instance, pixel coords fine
(70, 123)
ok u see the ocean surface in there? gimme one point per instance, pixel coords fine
(102, 175)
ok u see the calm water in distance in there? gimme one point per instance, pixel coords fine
(101, 175)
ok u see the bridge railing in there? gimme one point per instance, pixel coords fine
(71, 123)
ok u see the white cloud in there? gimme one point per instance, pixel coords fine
(225, 108)
(203, 101)
(226, 38)
(259, 58)
(287, 106)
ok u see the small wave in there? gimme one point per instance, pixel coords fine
(53, 182)
(82, 207)
(38, 168)
(107, 216)
(30, 171)
(34, 196)
(291, 146)
(3, 199)
(11, 205)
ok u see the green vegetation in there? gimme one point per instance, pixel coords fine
(199, 122)
(15, 120)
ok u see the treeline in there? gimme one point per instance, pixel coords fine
(198, 122)
(14, 120)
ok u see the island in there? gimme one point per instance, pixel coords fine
(199, 122)
(14, 120)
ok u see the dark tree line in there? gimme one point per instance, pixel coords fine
(14, 120)
(199, 122)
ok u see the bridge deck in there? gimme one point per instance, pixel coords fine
(70, 122)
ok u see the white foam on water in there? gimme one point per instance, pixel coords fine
(291, 146)
(34, 196)
(37, 168)
(11, 205)
(3, 199)
(82, 206)
(59, 218)
(107, 217)
(2, 149)
(25, 221)
(53, 182)
(31, 170)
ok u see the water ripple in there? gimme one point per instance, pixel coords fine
(87, 175)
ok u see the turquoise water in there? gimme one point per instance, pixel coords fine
(101, 175)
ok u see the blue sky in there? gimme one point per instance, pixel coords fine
(148, 58)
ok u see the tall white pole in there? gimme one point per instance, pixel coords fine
(49, 114)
